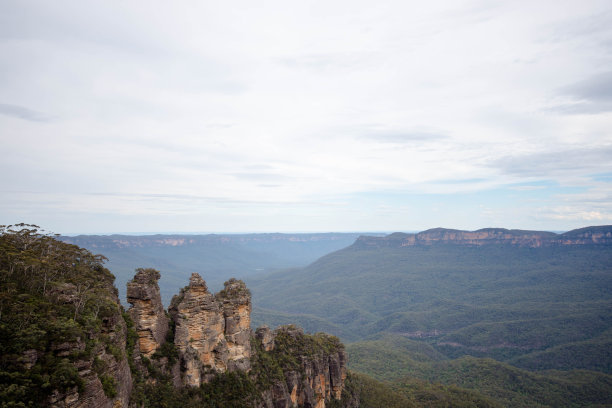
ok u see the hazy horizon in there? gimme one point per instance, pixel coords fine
(141, 233)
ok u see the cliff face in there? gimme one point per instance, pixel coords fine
(147, 310)
(312, 367)
(235, 301)
(62, 333)
(107, 381)
(490, 236)
(200, 332)
(212, 332)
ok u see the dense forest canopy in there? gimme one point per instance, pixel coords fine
(51, 294)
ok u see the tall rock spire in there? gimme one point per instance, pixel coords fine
(235, 301)
(199, 332)
(147, 310)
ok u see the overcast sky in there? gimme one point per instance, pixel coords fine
(253, 116)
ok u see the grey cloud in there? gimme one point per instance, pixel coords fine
(261, 176)
(399, 137)
(22, 113)
(582, 107)
(259, 167)
(568, 161)
(50, 22)
(594, 25)
(327, 61)
(101, 32)
(596, 88)
(590, 96)
(460, 181)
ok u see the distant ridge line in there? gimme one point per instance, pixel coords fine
(594, 235)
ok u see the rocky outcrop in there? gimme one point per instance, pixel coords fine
(235, 301)
(199, 332)
(212, 332)
(265, 337)
(313, 368)
(147, 310)
(601, 235)
(212, 336)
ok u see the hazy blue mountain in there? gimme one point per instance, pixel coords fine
(216, 257)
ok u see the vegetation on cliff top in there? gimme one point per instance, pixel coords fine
(54, 301)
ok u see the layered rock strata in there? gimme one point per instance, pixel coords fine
(235, 301)
(147, 310)
(212, 333)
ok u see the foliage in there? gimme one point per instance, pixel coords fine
(55, 298)
(109, 385)
(65, 376)
(265, 367)
(369, 393)
(291, 344)
(474, 379)
(498, 301)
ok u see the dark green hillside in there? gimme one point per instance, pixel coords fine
(594, 354)
(409, 366)
(531, 306)
(519, 388)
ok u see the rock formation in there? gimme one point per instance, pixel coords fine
(212, 333)
(199, 331)
(212, 336)
(318, 371)
(265, 337)
(147, 310)
(235, 300)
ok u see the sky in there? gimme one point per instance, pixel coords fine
(280, 116)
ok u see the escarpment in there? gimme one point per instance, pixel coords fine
(600, 235)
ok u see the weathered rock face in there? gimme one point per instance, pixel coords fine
(199, 331)
(147, 310)
(265, 337)
(212, 333)
(318, 375)
(235, 300)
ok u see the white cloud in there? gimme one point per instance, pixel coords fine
(283, 104)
